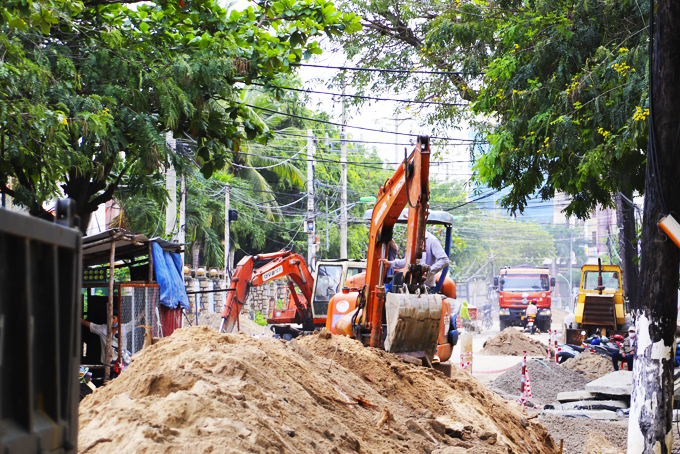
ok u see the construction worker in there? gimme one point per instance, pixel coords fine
(435, 257)
(626, 351)
(101, 330)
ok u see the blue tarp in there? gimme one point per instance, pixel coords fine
(168, 269)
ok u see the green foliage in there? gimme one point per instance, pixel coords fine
(87, 100)
(260, 319)
(557, 88)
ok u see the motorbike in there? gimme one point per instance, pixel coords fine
(530, 325)
(85, 382)
(487, 320)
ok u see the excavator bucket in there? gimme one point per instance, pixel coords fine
(412, 322)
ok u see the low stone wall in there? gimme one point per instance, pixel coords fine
(260, 299)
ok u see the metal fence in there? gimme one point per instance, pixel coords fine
(139, 305)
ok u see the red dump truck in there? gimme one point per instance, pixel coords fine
(516, 287)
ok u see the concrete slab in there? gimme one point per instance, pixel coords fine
(571, 396)
(604, 415)
(618, 383)
(588, 404)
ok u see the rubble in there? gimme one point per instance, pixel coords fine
(511, 342)
(590, 365)
(200, 391)
(571, 430)
(619, 383)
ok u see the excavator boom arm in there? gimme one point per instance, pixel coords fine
(409, 185)
(279, 264)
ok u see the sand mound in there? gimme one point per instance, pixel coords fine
(510, 342)
(597, 443)
(199, 391)
(590, 364)
(547, 380)
(248, 326)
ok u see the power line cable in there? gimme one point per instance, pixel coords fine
(379, 70)
(467, 141)
(271, 166)
(370, 98)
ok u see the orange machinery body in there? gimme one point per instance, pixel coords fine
(278, 264)
(365, 308)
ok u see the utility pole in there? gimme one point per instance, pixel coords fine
(343, 180)
(227, 233)
(181, 234)
(571, 285)
(327, 223)
(397, 123)
(650, 426)
(171, 187)
(310, 221)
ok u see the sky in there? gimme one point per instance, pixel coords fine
(378, 115)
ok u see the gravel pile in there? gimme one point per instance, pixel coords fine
(591, 365)
(573, 431)
(547, 380)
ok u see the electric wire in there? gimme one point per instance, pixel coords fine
(467, 141)
(396, 71)
(370, 98)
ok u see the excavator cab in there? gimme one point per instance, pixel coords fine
(330, 279)
(418, 329)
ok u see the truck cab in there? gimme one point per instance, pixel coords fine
(516, 287)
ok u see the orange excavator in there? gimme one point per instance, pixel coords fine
(399, 314)
(306, 305)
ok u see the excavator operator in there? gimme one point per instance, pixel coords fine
(434, 256)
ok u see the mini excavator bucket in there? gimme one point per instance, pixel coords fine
(412, 322)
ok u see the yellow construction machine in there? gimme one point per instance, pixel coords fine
(600, 307)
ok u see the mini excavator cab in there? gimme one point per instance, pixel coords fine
(399, 313)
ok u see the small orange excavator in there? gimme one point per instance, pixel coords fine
(399, 314)
(255, 270)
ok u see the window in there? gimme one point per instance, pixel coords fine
(328, 282)
(525, 283)
(354, 271)
(610, 280)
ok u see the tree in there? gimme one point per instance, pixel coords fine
(86, 99)
(651, 412)
(557, 88)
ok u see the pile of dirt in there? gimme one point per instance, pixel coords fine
(590, 364)
(597, 443)
(602, 436)
(200, 391)
(248, 326)
(547, 380)
(510, 342)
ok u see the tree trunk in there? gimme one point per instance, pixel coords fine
(196, 252)
(650, 423)
(625, 220)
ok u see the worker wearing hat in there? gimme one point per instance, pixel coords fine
(101, 330)
(626, 351)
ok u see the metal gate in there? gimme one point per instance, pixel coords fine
(40, 311)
